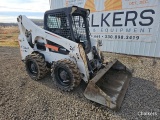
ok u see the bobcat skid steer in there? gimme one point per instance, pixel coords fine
(65, 47)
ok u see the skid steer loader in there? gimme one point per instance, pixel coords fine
(65, 48)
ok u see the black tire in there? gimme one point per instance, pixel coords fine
(36, 66)
(65, 74)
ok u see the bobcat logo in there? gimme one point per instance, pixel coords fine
(103, 5)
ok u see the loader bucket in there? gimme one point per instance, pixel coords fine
(109, 86)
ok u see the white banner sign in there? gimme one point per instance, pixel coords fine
(136, 20)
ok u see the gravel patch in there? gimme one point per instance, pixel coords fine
(23, 98)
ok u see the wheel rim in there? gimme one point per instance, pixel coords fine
(32, 67)
(63, 76)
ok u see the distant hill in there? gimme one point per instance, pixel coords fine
(38, 22)
(8, 24)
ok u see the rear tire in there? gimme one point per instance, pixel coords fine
(65, 74)
(36, 66)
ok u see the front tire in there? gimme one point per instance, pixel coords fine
(36, 66)
(65, 74)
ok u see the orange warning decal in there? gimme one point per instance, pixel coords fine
(52, 47)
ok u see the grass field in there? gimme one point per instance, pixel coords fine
(9, 36)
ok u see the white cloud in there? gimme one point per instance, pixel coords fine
(7, 19)
(12, 19)
(7, 7)
(25, 6)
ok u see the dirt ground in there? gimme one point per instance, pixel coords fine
(23, 98)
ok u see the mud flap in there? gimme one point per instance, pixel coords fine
(109, 86)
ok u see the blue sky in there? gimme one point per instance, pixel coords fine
(10, 9)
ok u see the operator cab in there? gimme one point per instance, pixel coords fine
(71, 23)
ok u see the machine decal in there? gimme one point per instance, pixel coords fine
(53, 35)
(52, 47)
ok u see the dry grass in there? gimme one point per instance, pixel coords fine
(9, 36)
(9, 43)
